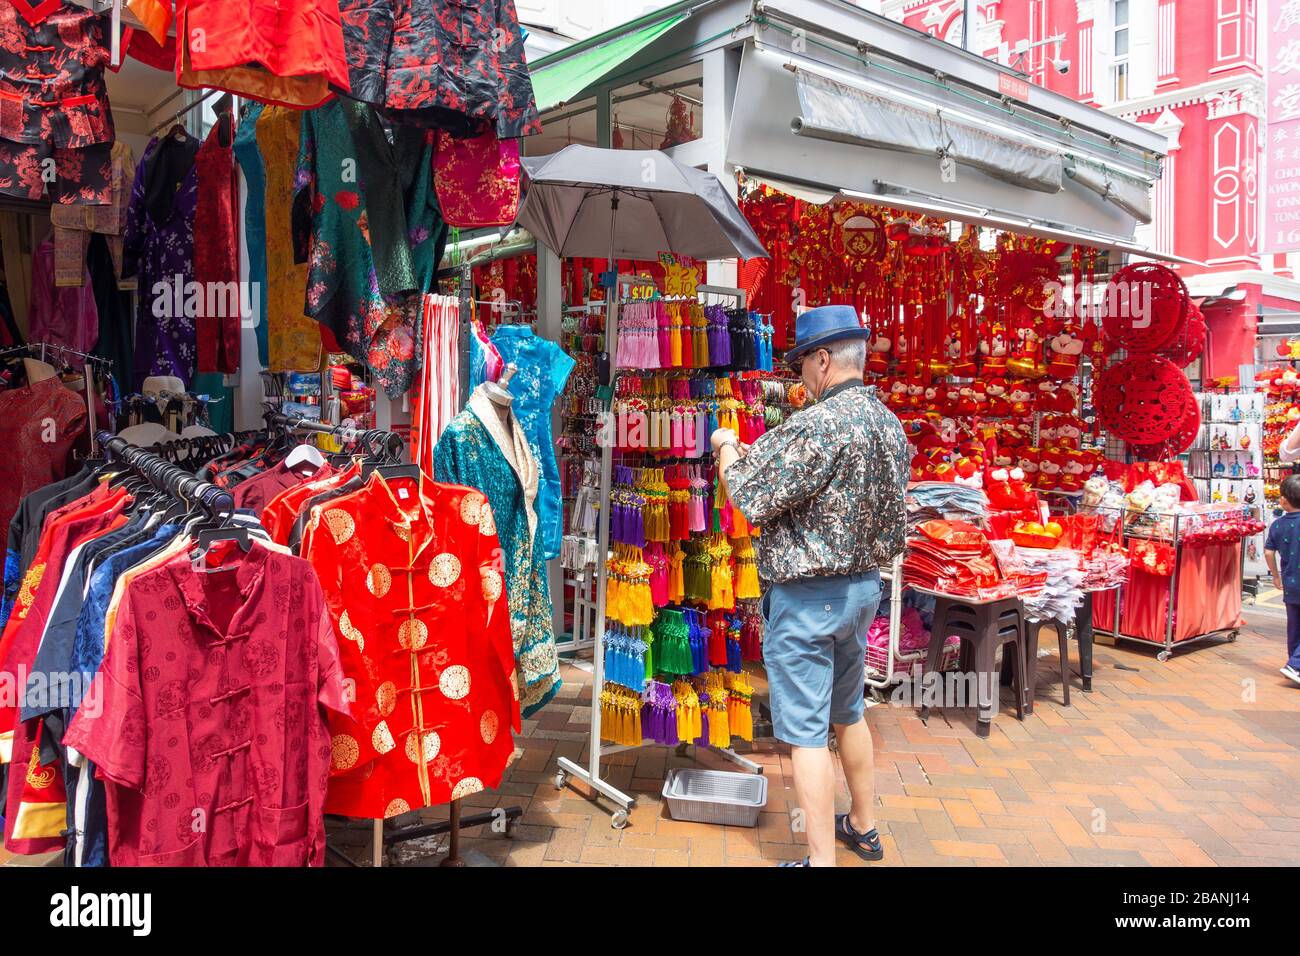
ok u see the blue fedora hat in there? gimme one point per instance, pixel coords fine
(823, 325)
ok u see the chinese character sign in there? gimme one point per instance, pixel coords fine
(1282, 143)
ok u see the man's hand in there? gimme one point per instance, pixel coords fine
(720, 437)
(1277, 581)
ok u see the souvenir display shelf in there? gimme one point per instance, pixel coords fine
(1171, 529)
(1226, 471)
(598, 749)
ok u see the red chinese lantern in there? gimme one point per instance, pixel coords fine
(1142, 399)
(1184, 347)
(1146, 307)
(1180, 441)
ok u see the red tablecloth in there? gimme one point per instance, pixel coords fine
(1208, 598)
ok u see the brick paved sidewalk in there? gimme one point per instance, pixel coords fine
(1195, 761)
(1191, 762)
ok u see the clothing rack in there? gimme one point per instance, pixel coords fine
(185, 109)
(591, 774)
(168, 477)
(384, 839)
(373, 438)
(217, 503)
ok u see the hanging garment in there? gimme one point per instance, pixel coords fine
(544, 369)
(286, 52)
(60, 316)
(113, 306)
(42, 422)
(478, 450)
(159, 249)
(36, 800)
(87, 828)
(22, 541)
(485, 361)
(439, 392)
(453, 65)
(53, 102)
(155, 16)
(249, 157)
(282, 511)
(293, 338)
(350, 227)
(213, 697)
(254, 493)
(74, 225)
(425, 646)
(477, 179)
(216, 255)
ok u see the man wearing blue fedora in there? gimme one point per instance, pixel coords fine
(827, 489)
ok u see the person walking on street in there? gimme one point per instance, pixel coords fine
(826, 487)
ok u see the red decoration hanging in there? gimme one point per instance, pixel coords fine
(1180, 441)
(1184, 347)
(1142, 399)
(1127, 299)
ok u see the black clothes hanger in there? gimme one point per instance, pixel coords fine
(387, 461)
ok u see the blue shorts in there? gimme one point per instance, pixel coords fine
(814, 649)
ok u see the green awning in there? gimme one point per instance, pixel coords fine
(559, 83)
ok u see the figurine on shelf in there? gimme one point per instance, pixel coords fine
(878, 356)
(1050, 463)
(998, 404)
(1066, 347)
(1021, 399)
(993, 348)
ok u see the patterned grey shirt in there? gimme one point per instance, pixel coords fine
(826, 487)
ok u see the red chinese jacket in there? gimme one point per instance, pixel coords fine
(412, 572)
(207, 716)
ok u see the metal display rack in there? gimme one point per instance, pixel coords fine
(1180, 526)
(591, 773)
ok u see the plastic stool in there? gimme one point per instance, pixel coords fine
(1031, 659)
(982, 628)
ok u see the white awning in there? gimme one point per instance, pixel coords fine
(805, 122)
(873, 114)
(1130, 194)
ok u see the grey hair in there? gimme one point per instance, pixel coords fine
(849, 353)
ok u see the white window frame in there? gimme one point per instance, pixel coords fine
(1120, 61)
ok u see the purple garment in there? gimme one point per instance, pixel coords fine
(61, 315)
(158, 246)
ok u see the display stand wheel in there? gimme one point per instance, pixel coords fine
(619, 820)
(561, 778)
(681, 749)
(1233, 636)
(1164, 656)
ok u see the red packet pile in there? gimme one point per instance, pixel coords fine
(953, 557)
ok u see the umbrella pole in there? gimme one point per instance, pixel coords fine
(591, 773)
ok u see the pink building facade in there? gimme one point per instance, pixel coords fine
(1194, 70)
